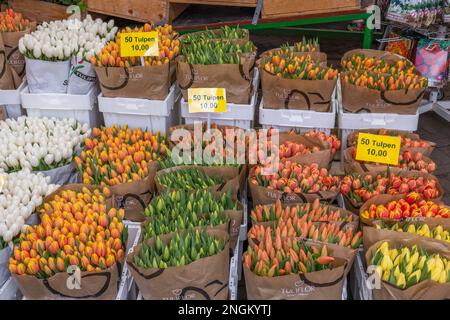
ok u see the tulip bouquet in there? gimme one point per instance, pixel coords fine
(332, 139)
(76, 229)
(360, 188)
(294, 177)
(411, 206)
(61, 39)
(298, 67)
(169, 48)
(183, 249)
(50, 49)
(117, 155)
(216, 52)
(274, 256)
(407, 266)
(178, 210)
(187, 179)
(21, 193)
(361, 61)
(314, 212)
(286, 50)
(11, 21)
(39, 144)
(421, 229)
(224, 33)
(408, 160)
(385, 82)
(303, 228)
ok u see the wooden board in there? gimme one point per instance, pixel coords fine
(288, 8)
(138, 10)
(39, 11)
(238, 3)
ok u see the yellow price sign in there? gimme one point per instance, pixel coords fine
(139, 44)
(377, 148)
(207, 100)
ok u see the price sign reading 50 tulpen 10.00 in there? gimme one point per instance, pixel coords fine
(207, 100)
(139, 44)
(377, 148)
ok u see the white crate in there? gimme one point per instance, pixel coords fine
(304, 120)
(82, 107)
(349, 122)
(238, 115)
(9, 290)
(153, 115)
(12, 102)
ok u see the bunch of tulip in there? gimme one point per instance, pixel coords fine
(187, 179)
(418, 228)
(184, 248)
(407, 266)
(385, 82)
(11, 21)
(412, 206)
(76, 229)
(116, 155)
(379, 65)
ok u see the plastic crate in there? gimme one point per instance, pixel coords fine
(153, 115)
(349, 122)
(12, 102)
(303, 120)
(238, 115)
(82, 108)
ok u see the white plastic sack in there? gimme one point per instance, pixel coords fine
(82, 77)
(63, 175)
(13, 111)
(47, 76)
(4, 265)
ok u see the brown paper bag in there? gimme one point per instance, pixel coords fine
(234, 177)
(280, 93)
(140, 82)
(204, 279)
(319, 285)
(356, 99)
(425, 290)
(100, 285)
(15, 58)
(352, 139)
(6, 77)
(235, 78)
(386, 198)
(372, 235)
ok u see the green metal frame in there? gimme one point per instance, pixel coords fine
(290, 24)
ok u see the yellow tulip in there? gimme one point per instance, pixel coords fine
(443, 277)
(386, 263)
(401, 281)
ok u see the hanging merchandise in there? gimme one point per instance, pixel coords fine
(400, 45)
(432, 61)
(49, 50)
(416, 13)
(446, 16)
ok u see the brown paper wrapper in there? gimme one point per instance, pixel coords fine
(6, 76)
(356, 99)
(425, 290)
(355, 209)
(386, 198)
(280, 93)
(100, 285)
(372, 235)
(234, 178)
(139, 82)
(353, 166)
(204, 279)
(352, 139)
(318, 285)
(15, 59)
(235, 78)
